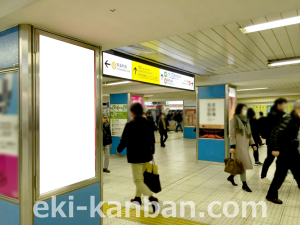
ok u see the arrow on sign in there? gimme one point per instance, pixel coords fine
(107, 64)
(135, 69)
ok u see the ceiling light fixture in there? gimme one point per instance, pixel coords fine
(282, 62)
(271, 25)
(253, 89)
(117, 83)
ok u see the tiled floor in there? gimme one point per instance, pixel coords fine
(184, 179)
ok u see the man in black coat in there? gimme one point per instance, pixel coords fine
(179, 119)
(273, 119)
(163, 126)
(285, 143)
(138, 137)
(107, 141)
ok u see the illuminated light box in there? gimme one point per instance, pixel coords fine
(66, 114)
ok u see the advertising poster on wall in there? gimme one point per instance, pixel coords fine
(190, 119)
(137, 98)
(232, 102)
(256, 108)
(263, 109)
(9, 135)
(289, 108)
(118, 119)
(211, 117)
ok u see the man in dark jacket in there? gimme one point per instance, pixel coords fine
(137, 137)
(285, 143)
(107, 141)
(179, 119)
(163, 126)
(169, 116)
(255, 133)
(273, 119)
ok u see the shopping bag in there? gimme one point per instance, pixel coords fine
(233, 166)
(152, 180)
(152, 167)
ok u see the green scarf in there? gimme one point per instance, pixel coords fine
(239, 121)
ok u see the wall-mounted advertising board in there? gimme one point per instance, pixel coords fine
(124, 68)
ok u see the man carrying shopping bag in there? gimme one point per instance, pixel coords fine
(138, 137)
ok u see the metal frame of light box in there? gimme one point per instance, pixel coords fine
(226, 120)
(29, 121)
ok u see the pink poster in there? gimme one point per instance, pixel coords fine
(137, 98)
(9, 135)
(9, 169)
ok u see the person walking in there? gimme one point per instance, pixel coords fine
(285, 143)
(169, 116)
(179, 119)
(240, 138)
(152, 125)
(107, 141)
(261, 114)
(274, 117)
(163, 126)
(137, 137)
(255, 133)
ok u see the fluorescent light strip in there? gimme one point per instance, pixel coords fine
(148, 95)
(271, 25)
(117, 83)
(251, 89)
(284, 62)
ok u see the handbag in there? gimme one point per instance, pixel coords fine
(152, 180)
(233, 166)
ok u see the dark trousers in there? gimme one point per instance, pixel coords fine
(283, 164)
(178, 125)
(268, 161)
(163, 137)
(256, 154)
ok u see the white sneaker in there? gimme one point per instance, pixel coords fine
(265, 181)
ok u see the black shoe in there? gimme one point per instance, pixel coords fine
(162, 146)
(246, 188)
(137, 200)
(231, 179)
(106, 171)
(258, 163)
(274, 200)
(154, 203)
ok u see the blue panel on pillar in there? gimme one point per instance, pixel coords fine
(9, 213)
(9, 48)
(81, 198)
(189, 133)
(118, 98)
(115, 143)
(211, 150)
(217, 91)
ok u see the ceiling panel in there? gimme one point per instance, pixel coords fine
(226, 50)
(212, 53)
(278, 85)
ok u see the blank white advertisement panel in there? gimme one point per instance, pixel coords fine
(67, 114)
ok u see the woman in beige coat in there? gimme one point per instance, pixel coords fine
(240, 139)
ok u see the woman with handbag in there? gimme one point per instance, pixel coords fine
(240, 139)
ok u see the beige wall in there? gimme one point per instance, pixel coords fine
(270, 99)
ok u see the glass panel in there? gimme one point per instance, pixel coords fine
(9, 48)
(67, 114)
(9, 131)
(211, 117)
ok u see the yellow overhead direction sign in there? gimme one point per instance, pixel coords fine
(145, 73)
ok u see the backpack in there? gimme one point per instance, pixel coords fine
(264, 129)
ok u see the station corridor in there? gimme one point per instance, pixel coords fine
(183, 179)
